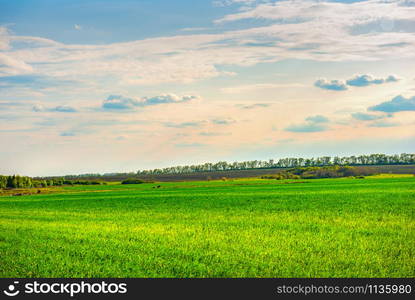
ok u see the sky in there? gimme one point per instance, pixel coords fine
(118, 86)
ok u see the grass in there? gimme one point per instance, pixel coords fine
(239, 228)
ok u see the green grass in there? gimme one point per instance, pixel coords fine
(240, 228)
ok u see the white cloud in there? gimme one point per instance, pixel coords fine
(336, 13)
(59, 108)
(333, 85)
(324, 30)
(77, 27)
(118, 102)
(312, 30)
(4, 38)
(38, 108)
(10, 66)
(223, 3)
(359, 80)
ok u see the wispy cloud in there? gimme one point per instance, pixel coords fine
(357, 13)
(367, 117)
(227, 121)
(59, 108)
(10, 66)
(118, 102)
(312, 124)
(224, 3)
(183, 124)
(6, 104)
(317, 119)
(67, 133)
(393, 45)
(217, 121)
(205, 133)
(255, 105)
(64, 108)
(34, 81)
(383, 124)
(307, 127)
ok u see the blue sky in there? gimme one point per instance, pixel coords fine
(107, 86)
(106, 21)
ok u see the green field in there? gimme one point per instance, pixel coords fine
(241, 228)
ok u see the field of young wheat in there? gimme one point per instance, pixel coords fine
(236, 228)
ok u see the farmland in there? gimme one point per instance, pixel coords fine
(248, 173)
(235, 228)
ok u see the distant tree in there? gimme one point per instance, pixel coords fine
(3, 182)
(132, 181)
(372, 159)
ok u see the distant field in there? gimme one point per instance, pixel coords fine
(197, 176)
(240, 228)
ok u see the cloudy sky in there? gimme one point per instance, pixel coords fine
(108, 86)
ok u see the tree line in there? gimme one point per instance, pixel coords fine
(17, 181)
(372, 159)
(335, 171)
